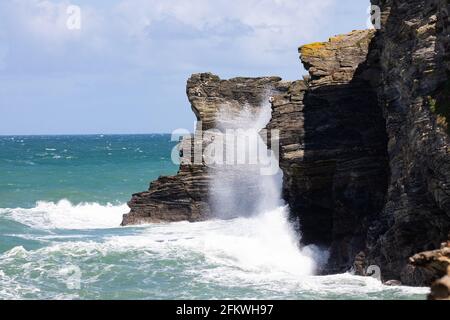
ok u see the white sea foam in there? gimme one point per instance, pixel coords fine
(65, 215)
(239, 258)
(256, 255)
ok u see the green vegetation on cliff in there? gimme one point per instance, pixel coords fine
(440, 106)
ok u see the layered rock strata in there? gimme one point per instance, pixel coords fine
(412, 54)
(333, 147)
(365, 147)
(186, 196)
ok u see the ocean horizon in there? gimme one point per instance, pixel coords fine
(61, 203)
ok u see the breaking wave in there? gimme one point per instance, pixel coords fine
(65, 215)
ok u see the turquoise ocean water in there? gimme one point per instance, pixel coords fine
(61, 203)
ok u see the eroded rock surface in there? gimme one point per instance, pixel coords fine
(412, 53)
(185, 196)
(333, 147)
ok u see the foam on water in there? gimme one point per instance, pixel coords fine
(65, 215)
(239, 258)
(253, 256)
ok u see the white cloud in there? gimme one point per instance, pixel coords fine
(157, 34)
(276, 25)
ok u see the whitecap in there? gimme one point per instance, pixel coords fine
(65, 215)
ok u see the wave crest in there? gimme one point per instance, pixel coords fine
(65, 215)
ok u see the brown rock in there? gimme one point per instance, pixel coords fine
(440, 289)
(185, 196)
(411, 52)
(333, 148)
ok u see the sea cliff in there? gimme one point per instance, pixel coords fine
(364, 143)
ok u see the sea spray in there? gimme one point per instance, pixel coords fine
(255, 257)
(239, 186)
(241, 189)
(216, 259)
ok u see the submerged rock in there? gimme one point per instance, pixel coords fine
(412, 52)
(393, 283)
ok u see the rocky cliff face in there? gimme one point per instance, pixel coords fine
(169, 199)
(367, 160)
(186, 196)
(412, 53)
(333, 147)
(364, 142)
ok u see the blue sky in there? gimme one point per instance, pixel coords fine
(125, 70)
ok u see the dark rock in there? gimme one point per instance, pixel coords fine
(412, 54)
(186, 195)
(366, 157)
(334, 149)
(360, 266)
(176, 198)
(440, 289)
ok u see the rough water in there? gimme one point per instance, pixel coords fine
(61, 203)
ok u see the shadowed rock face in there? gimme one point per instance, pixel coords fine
(367, 164)
(177, 198)
(333, 145)
(185, 196)
(366, 160)
(413, 57)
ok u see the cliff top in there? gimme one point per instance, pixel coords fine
(208, 93)
(336, 60)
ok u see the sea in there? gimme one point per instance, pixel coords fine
(61, 204)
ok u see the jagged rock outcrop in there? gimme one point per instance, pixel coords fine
(433, 267)
(209, 95)
(185, 196)
(176, 198)
(333, 147)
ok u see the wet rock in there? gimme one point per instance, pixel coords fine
(393, 283)
(359, 266)
(412, 53)
(429, 267)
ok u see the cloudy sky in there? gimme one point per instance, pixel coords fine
(125, 69)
